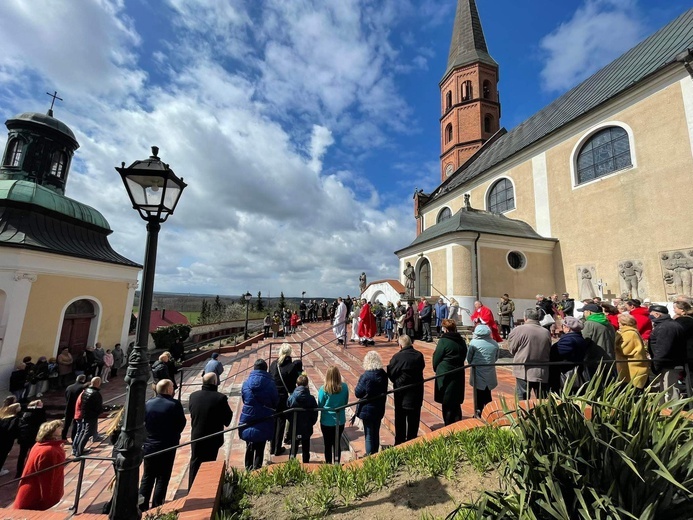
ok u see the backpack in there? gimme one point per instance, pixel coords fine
(160, 371)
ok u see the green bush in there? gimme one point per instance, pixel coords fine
(629, 461)
(165, 337)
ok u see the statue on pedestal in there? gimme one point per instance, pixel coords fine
(410, 278)
(362, 282)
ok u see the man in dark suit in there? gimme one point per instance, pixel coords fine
(406, 368)
(209, 413)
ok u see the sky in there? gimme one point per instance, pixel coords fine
(302, 127)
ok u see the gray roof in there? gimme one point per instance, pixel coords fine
(468, 44)
(44, 120)
(649, 56)
(476, 220)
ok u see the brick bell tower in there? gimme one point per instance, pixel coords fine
(469, 101)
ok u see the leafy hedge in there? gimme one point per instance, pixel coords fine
(165, 337)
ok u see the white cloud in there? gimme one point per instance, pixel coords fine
(598, 32)
(260, 213)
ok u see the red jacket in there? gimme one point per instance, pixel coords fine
(367, 322)
(484, 315)
(294, 320)
(613, 319)
(42, 491)
(78, 407)
(642, 317)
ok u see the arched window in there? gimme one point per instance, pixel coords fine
(448, 100)
(58, 164)
(467, 92)
(487, 89)
(488, 123)
(606, 151)
(15, 149)
(448, 133)
(444, 214)
(424, 279)
(501, 197)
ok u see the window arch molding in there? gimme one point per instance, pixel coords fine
(584, 140)
(422, 285)
(492, 185)
(448, 133)
(444, 214)
(95, 321)
(15, 151)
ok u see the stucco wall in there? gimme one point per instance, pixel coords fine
(49, 296)
(497, 277)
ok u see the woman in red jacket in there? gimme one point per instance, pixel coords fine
(43, 491)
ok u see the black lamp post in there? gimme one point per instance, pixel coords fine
(247, 297)
(154, 191)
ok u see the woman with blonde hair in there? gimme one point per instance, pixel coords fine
(372, 382)
(285, 372)
(631, 347)
(332, 394)
(112, 434)
(43, 491)
(9, 422)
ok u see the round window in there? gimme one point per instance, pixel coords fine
(516, 260)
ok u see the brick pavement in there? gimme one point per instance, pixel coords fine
(320, 352)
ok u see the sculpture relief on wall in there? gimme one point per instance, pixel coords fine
(630, 277)
(677, 272)
(587, 279)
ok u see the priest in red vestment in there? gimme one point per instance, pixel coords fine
(367, 327)
(483, 314)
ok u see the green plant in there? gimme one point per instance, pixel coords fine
(165, 337)
(159, 515)
(628, 461)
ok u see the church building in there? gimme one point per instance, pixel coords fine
(61, 283)
(591, 195)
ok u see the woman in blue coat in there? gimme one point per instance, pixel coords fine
(371, 383)
(483, 350)
(260, 399)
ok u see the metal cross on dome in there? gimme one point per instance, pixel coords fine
(54, 95)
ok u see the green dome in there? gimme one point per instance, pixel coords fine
(31, 193)
(44, 120)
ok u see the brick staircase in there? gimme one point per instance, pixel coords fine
(320, 352)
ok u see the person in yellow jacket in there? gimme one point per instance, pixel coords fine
(631, 347)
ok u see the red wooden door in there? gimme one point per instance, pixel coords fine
(75, 334)
(65, 334)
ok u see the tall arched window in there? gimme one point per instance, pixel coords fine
(424, 279)
(448, 133)
(58, 163)
(487, 89)
(444, 214)
(501, 197)
(15, 149)
(605, 152)
(488, 123)
(448, 100)
(467, 92)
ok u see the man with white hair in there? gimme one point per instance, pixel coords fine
(530, 343)
(339, 325)
(164, 420)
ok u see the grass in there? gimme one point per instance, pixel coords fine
(316, 494)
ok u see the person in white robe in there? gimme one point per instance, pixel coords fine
(339, 324)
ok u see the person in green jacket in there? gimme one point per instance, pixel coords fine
(332, 394)
(450, 353)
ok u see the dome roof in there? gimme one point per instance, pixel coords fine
(27, 192)
(46, 121)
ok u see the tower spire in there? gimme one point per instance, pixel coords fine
(468, 44)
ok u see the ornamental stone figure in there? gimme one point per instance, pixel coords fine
(632, 275)
(677, 271)
(362, 282)
(586, 286)
(410, 278)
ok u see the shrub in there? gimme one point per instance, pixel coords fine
(165, 337)
(629, 461)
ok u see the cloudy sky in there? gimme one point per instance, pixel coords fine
(301, 126)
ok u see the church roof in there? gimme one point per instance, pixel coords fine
(30, 193)
(651, 55)
(44, 120)
(477, 221)
(468, 44)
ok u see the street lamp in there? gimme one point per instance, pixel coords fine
(247, 297)
(154, 191)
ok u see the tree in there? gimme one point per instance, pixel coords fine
(204, 313)
(259, 304)
(218, 310)
(282, 301)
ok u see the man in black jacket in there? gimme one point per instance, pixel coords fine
(164, 420)
(406, 368)
(71, 394)
(567, 305)
(91, 407)
(209, 413)
(667, 347)
(426, 315)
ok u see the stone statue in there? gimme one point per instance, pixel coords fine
(410, 278)
(632, 275)
(362, 282)
(677, 271)
(586, 286)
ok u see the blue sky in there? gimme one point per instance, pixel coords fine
(302, 126)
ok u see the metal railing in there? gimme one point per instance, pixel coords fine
(591, 364)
